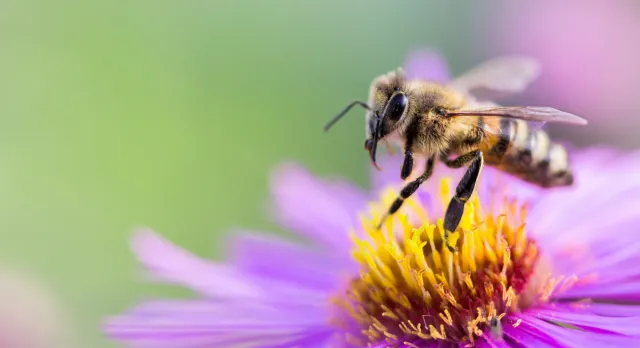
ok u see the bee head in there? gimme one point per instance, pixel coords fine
(389, 103)
(385, 120)
(387, 108)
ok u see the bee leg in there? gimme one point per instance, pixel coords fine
(408, 190)
(407, 165)
(465, 189)
(460, 161)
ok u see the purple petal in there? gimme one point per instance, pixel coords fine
(417, 343)
(426, 64)
(566, 337)
(323, 212)
(185, 323)
(277, 259)
(168, 263)
(389, 176)
(590, 322)
(604, 262)
(523, 336)
(602, 309)
(590, 201)
(526, 334)
(598, 230)
(622, 291)
(310, 339)
(594, 158)
(486, 341)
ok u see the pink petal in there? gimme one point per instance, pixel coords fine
(601, 309)
(277, 259)
(486, 341)
(522, 336)
(526, 334)
(621, 291)
(196, 323)
(169, 263)
(566, 337)
(588, 202)
(587, 321)
(426, 64)
(321, 211)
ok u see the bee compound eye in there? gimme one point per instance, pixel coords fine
(396, 106)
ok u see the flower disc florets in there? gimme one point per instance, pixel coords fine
(412, 288)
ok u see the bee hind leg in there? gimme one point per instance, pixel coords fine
(465, 189)
(459, 162)
(409, 189)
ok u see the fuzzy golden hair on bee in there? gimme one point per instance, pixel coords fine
(385, 85)
(434, 120)
(424, 125)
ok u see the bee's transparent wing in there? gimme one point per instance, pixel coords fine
(526, 113)
(496, 128)
(498, 77)
(499, 121)
(496, 125)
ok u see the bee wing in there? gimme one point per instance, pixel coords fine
(527, 113)
(501, 121)
(497, 126)
(498, 77)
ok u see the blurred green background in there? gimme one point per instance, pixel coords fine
(170, 114)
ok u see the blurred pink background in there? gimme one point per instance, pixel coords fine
(590, 54)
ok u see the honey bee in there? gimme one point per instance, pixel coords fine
(437, 120)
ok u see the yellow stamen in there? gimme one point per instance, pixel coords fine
(412, 287)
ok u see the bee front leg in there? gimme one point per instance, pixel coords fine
(407, 165)
(409, 189)
(465, 189)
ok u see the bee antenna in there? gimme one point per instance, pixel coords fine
(344, 112)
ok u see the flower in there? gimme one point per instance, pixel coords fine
(534, 268)
(427, 64)
(30, 316)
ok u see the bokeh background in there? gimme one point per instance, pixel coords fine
(170, 114)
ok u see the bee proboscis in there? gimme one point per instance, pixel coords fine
(437, 120)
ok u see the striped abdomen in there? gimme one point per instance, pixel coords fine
(526, 153)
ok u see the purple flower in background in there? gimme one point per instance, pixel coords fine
(590, 58)
(533, 267)
(427, 64)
